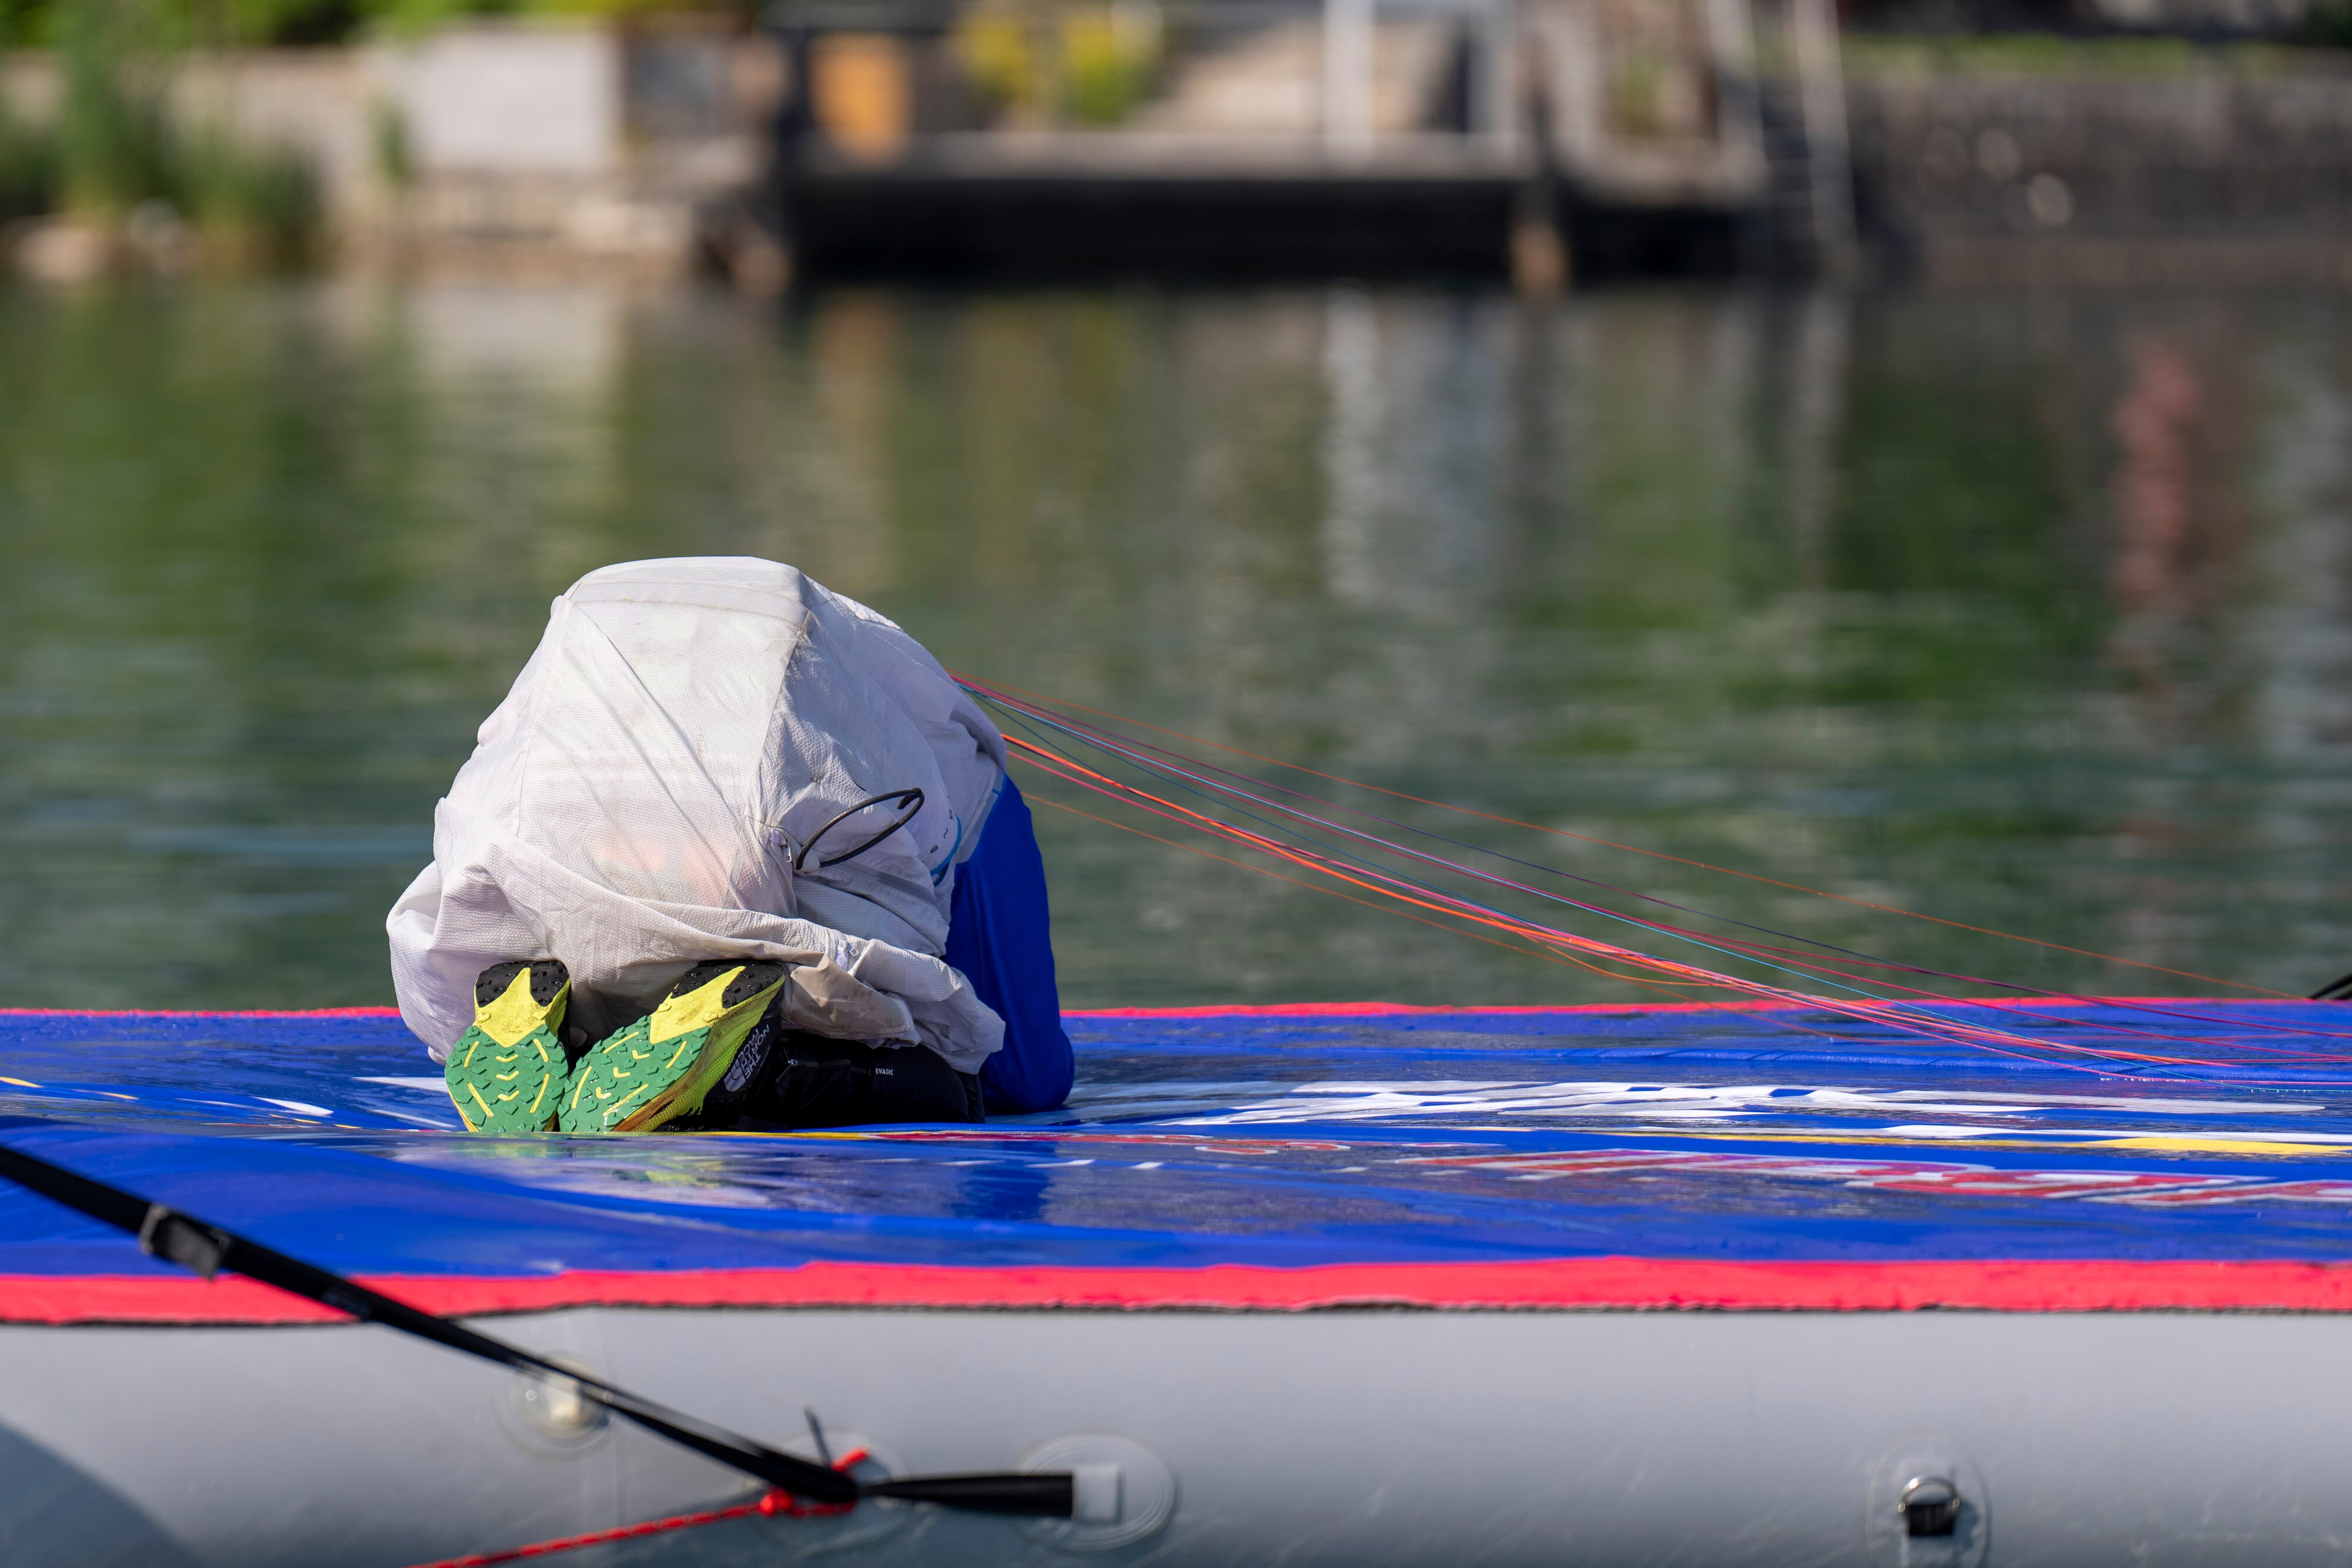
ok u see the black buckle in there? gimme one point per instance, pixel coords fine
(168, 1234)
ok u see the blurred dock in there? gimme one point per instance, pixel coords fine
(1537, 140)
(1545, 142)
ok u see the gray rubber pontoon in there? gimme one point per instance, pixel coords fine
(1342, 1438)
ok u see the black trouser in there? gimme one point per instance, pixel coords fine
(809, 1080)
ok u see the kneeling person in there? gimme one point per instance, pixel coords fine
(734, 849)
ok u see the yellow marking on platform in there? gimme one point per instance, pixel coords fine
(20, 1083)
(2179, 1143)
(2197, 1145)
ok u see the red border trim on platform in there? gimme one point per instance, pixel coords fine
(1628, 1009)
(1288, 1010)
(1587, 1284)
(198, 1013)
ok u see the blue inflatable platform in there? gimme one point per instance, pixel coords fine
(1335, 1287)
(1271, 1159)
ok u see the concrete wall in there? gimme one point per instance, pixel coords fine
(2209, 175)
(319, 100)
(508, 100)
(569, 136)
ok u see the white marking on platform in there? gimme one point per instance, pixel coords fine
(1346, 1101)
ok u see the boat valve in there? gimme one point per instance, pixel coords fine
(1930, 1505)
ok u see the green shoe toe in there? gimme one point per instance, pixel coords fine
(659, 1068)
(506, 1074)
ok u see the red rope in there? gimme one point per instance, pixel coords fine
(996, 693)
(778, 1502)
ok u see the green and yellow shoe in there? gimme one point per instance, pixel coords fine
(506, 1074)
(660, 1067)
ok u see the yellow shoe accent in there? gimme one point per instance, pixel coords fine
(704, 1007)
(660, 1067)
(515, 1014)
(506, 1073)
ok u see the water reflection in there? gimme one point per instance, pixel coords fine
(2029, 610)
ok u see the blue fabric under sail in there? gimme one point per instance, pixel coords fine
(999, 935)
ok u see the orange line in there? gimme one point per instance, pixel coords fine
(1877, 1010)
(1636, 849)
(1501, 923)
(1388, 909)
(1672, 988)
(1544, 934)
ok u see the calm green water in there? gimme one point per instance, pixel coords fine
(2031, 611)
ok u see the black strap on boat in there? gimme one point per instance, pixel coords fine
(208, 1249)
(2335, 991)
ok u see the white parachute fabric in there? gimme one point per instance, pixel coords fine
(635, 805)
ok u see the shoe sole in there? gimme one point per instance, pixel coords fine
(661, 1068)
(507, 1072)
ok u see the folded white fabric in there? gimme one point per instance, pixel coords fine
(635, 805)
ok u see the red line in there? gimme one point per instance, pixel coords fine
(199, 1013)
(1636, 1284)
(1358, 1010)
(1260, 1009)
(1377, 1010)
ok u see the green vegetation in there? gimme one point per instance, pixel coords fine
(2328, 26)
(1110, 56)
(29, 168)
(296, 23)
(115, 152)
(1087, 63)
(256, 203)
(395, 160)
(113, 142)
(2049, 55)
(116, 156)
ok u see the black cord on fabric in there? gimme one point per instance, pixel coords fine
(181, 1239)
(910, 804)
